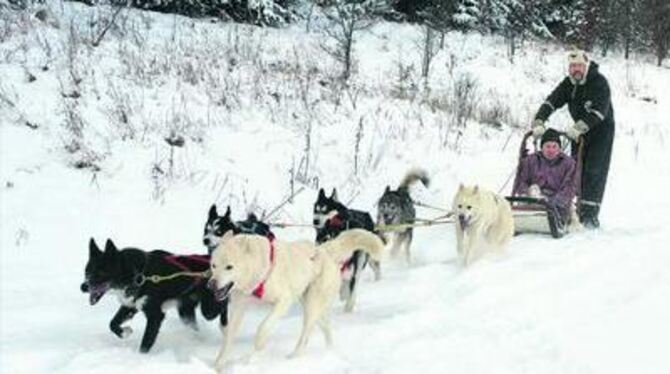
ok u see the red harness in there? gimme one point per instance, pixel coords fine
(259, 291)
(335, 221)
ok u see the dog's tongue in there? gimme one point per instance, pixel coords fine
(223, 293)
(93, 298)
(96, 293)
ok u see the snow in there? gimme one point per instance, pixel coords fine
(594, 302)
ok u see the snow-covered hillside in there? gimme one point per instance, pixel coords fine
(83, 154)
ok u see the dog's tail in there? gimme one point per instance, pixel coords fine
(342, 247)
(414, 175)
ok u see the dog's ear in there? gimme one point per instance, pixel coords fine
(333, 195)
(212, 212)
(461, 187)
(388, 189)
(252, 218)
(476, 189)
(227, 215)
(93, 249)
(322, 193)
(110, 247)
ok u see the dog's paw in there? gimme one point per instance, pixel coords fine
(219, 366)
(125, 332)
(192, 325)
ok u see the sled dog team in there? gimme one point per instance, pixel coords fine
(246, 262)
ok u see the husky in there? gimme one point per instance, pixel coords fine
(396, 207)
(484, 222)
(281, 273)
(127, 272)
(331, 217)
(217, 225)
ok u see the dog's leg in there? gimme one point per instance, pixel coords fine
(155, 318)
(377, 268)
(460, 245)
(395, 244)
(186, 310)
(270, 321)
(315, 305)
(345, 290)
(472, 239)
(359, 261)
(122, 315)
(324, 324)
(229, 331)
(210, 308)
(223, 319)
(407, 241)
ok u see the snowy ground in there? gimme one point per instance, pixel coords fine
(595, 302)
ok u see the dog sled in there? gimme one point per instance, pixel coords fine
(536, 215)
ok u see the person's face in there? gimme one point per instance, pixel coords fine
(577, 70)
(550, 150)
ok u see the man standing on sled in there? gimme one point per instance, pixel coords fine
(587, 94)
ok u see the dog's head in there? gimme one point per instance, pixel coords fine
(235, 264)
(103, 271)
(252, 225)
(389, 207)
(467, 205)
(326, 207)
(215, 227)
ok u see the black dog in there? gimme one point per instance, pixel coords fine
(331, 217)
(216, 226)
(131, 273)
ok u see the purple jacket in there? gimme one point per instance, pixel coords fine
(556, 178)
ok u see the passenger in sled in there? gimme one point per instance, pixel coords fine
(548, 180)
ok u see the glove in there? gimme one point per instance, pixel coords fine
(580, 127)
(535, 191)
(538, 128)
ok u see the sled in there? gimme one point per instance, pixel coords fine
(533, 215)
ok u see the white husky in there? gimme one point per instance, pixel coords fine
(484, 222)
(281, 273)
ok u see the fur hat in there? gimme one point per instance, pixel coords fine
(550, 135)
(577, 56)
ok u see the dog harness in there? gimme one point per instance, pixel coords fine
(259, 291)
(179, 261)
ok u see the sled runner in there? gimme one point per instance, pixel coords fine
(536, 215)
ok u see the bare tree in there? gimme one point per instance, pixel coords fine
(658, 18)
(347, 17)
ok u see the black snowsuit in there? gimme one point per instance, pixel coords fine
(589, 101)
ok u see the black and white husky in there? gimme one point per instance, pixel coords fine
(216, 226)
(331, 217)
(396, 207)
(128, 273)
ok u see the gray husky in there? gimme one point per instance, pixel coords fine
(396, 207)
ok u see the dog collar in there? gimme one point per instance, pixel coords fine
(259, 291)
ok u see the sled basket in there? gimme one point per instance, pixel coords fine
(532, 215)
